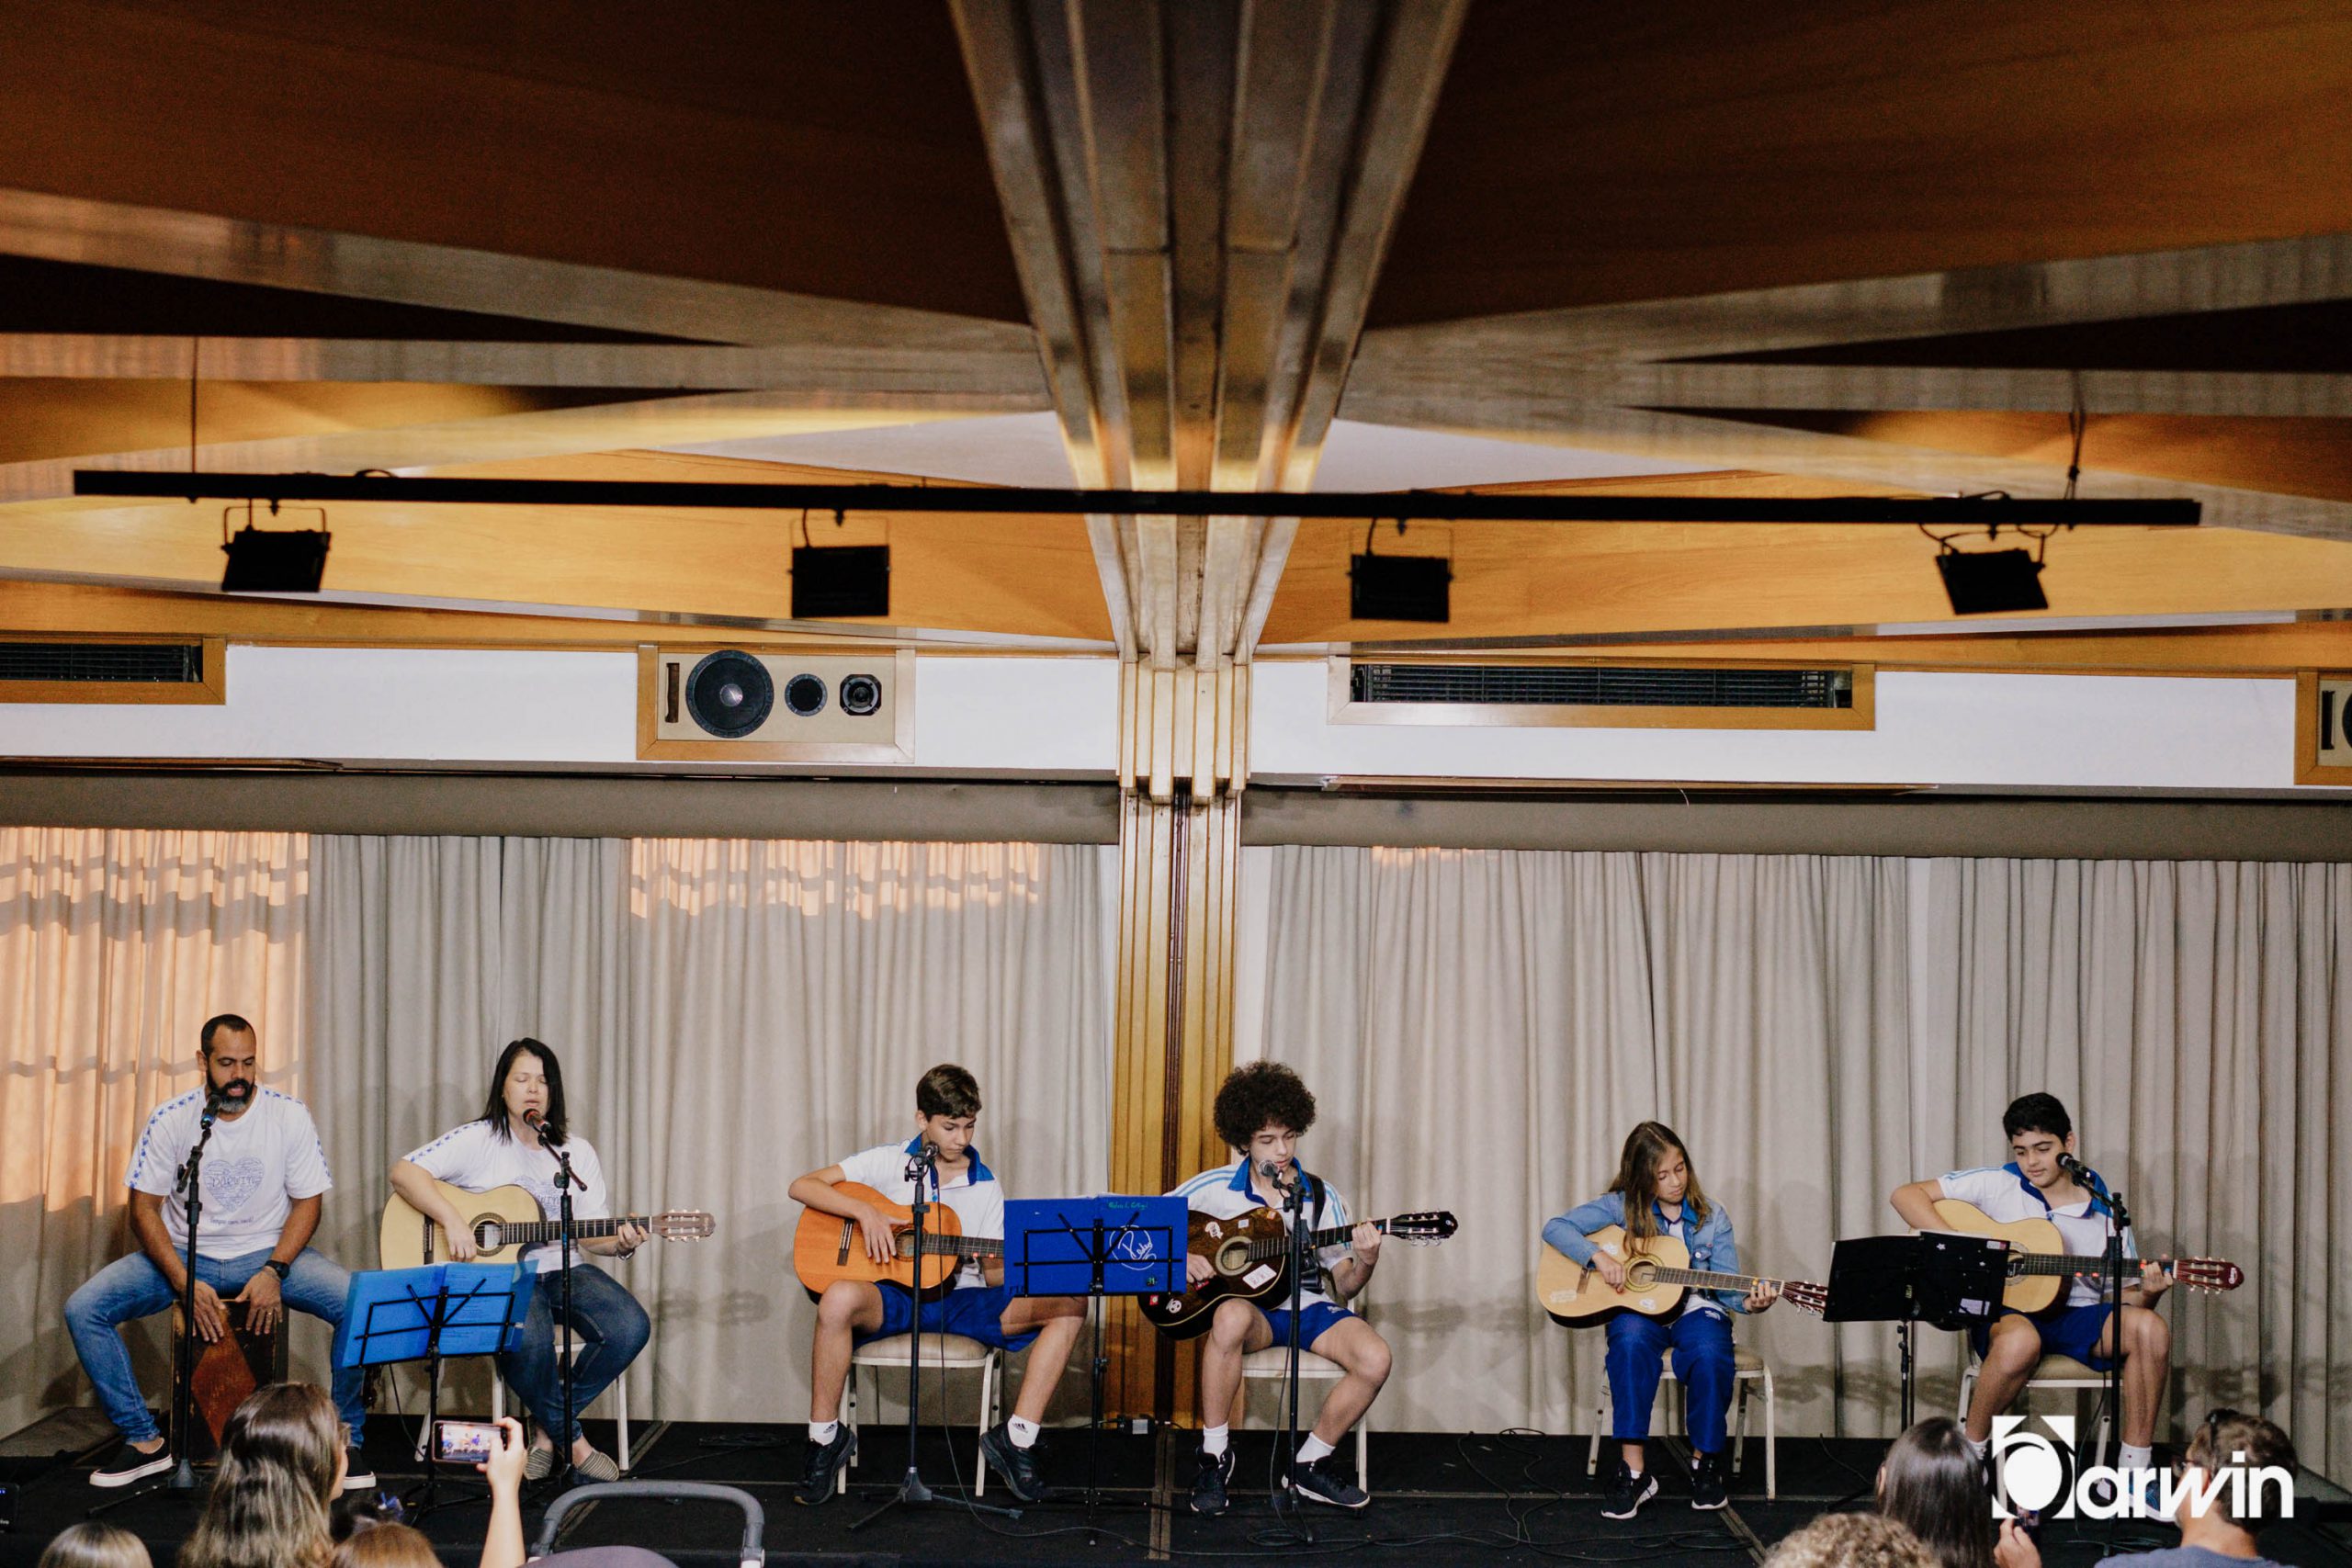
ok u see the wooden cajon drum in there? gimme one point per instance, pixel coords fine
(229, 1369)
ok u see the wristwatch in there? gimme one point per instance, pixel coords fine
(278, 1268)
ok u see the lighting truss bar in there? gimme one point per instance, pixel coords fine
(1935, 512)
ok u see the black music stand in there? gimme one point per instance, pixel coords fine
(1094, 1247)
(430, 1315)
(1948, 1278)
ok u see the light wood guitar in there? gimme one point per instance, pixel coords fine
(1656, 1277)
(1250, 1257)
(2040, 1266)
(504, 1220)
(826, 1247)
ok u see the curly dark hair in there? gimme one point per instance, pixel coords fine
(1258, 1095)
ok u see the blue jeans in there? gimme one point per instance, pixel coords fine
(132, 1287)
(1702, 1359)
(611, 1326)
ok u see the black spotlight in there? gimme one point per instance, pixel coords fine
(730, 693)
(832, 582)
(1400, 588)
(288, 561)
(805, 695)
(861, 694)
(1990, 583)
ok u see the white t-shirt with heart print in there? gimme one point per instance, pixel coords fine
(254, 1167)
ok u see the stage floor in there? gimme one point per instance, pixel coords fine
(1437, 1497)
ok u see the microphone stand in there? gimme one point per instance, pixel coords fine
(564, 1183)
(2119, 1221)
(1286, 1452)
(922, 1172)
(191, 1183)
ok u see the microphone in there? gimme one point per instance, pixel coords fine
(537, 1123)
(2075, 1168)
(1276, 1171)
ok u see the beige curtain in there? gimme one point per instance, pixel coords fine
(1481, 1027)
(728, 1014)
(115, 947)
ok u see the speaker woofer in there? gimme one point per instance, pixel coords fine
(861, 694)
(804, 695)
(729, 694)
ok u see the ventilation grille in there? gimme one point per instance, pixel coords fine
(1576, 685)
(176, 663)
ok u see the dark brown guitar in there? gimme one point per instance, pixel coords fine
(1251, 1257)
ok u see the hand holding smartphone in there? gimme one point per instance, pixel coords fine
(465, 1442)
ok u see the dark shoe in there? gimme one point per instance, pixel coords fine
(1208, 1486)
(129, 1465)
(1321, 1481)
(1707, 1486)
(1628, 1493)
(359, 1477)
(824, 1468)
(1023, 1475)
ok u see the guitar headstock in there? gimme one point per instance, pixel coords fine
(1423, 1229)
(681, 1224)
(2214, 1274)
(1807, 1295)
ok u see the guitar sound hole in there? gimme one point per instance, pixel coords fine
(486, 1237)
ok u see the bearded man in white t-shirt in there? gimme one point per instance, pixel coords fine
(262, 1177)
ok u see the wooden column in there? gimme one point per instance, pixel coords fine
(1182, 736)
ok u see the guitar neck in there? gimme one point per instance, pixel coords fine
(1707, 1280)
(2080, 1263)
(1275, 1247)
(951, 1245)
(538, 1231)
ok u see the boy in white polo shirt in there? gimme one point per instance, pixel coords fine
(2034, 1185)
(1262, 1111)
(978, 1304)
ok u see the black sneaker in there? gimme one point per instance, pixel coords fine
(1628, 1493)
(1321, 1481)
(824, 1468)
(1023, 1475)
(129, 1465)
(1708, 1488)
(357, 1476)
(1208, 1486)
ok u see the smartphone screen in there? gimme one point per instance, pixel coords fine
(464, 1442)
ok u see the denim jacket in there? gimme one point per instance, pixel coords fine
(1712, 1247)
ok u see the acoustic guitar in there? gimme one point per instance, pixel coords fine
(826, 1247)
(2039, 1264)
(1250, 1255)
(1658, 1276)
(504, 1220)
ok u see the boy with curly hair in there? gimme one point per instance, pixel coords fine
(1261, 1112)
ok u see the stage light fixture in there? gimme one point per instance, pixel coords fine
(287, 561)
(831, 582)
(1398, 588)
(1990, 583)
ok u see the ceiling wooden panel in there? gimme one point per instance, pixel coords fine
(2285, 457)
(1583, 154)
(796, 145)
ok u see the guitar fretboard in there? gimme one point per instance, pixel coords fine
(1276, 1246)
(951, 1245)
(531, 1232)
(1707, 1280)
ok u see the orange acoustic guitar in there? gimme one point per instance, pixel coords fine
(827, 1247)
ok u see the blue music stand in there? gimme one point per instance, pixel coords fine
(1110, 1245)
(428, 1314)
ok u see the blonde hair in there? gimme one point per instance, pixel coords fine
(386, 1546)
(267, 1508)
(96, 1546)
(1851, 1540)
